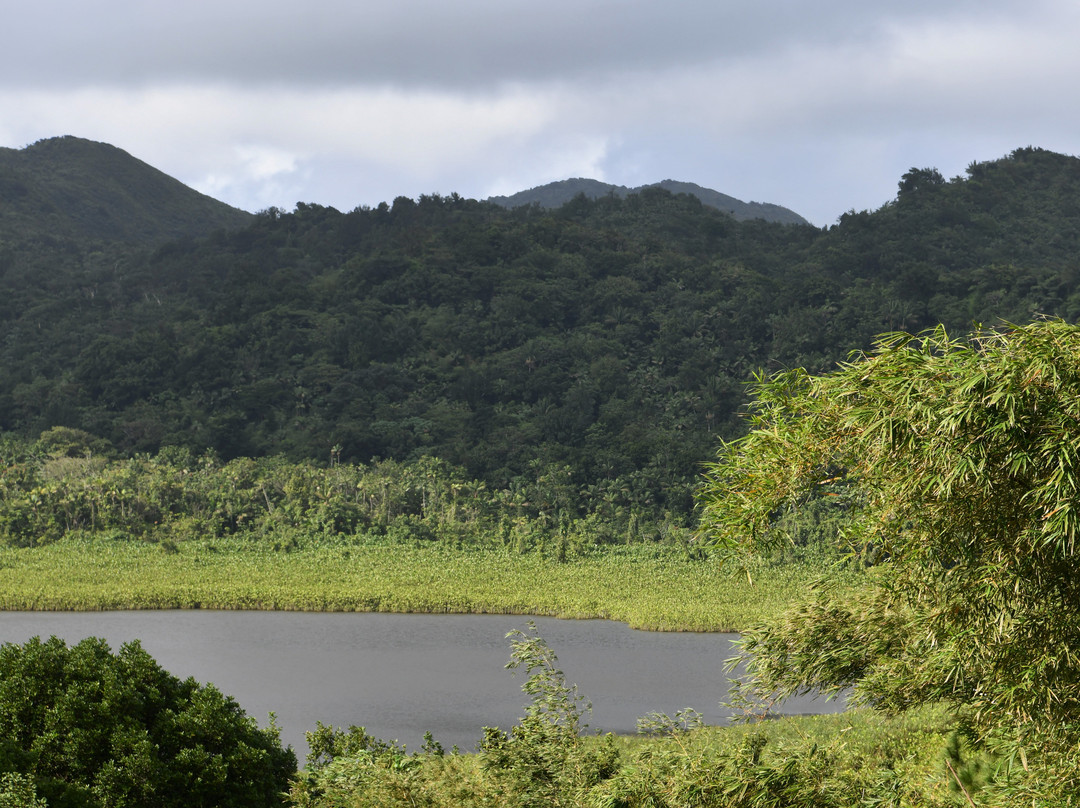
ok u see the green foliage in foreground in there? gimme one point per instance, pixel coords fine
(850, 759)
(960, 464)
(543, 761)
(819, 762)
(648, 587)
(86, 728)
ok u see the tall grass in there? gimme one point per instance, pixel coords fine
(648, 587)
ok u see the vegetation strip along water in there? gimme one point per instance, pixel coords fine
(646, 587)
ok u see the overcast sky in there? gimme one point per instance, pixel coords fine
(818, 106)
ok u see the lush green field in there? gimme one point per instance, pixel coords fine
(646, 586)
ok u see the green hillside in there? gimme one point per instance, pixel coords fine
(606, 344)
(67, 187)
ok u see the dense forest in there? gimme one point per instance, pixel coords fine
(607, 342)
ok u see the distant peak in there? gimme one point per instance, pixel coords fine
(558, 193)
(85, 190)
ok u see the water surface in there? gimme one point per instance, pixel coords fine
(399, 675)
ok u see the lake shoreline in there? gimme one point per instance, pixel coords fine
(648, 588)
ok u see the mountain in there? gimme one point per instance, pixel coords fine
(557, 194)
(68, 187)
(601, 347)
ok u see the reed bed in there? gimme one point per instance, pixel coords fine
(645, 587)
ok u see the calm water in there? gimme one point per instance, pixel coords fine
(401, 674)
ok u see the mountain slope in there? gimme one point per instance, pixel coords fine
(602, 346)
(556, 194)
(79, 189)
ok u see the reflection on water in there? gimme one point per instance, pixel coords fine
(399, 675)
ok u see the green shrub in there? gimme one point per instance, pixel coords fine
(544, 761)
(92, 728)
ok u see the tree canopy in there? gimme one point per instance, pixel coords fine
(612, 337)
(83, 727)
(958, 464)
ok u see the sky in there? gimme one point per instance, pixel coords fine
(817, 106)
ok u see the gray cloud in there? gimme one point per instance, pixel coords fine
(429, 43)
(820, 107)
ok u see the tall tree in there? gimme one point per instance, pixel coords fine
(960, 464)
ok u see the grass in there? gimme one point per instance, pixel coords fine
(647, 587)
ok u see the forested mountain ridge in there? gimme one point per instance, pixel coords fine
(556, 194)
(68, 187)
(603, 346)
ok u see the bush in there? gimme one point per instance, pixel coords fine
(92, 728)
(544, 761)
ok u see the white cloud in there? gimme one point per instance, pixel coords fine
(258, 172)
(261, 162)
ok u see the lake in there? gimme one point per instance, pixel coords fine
(399, 675)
